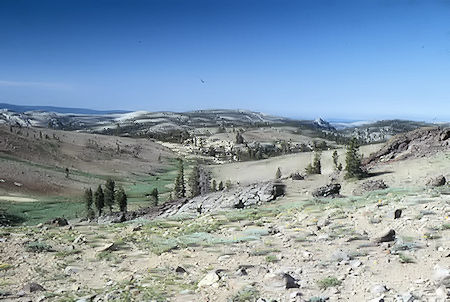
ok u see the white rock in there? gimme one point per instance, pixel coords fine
(441, 276)
(378, 289)
(71, 270)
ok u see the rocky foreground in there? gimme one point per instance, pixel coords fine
(385, 245)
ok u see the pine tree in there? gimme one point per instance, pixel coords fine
(194, 181)
(180, 188)
(122, 199)
(88, 202)
(99, 198)
(278, 173)
(337, 164)
(353, 167)
(109, 194)
(214, 185)
(239, 138)
(155, 196)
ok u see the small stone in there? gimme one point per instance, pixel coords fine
(378, 289)
(241, 272)
(355, 263)
(290, 281)
(180, 270)
(80, 239)
(397, 214)
(107, 247)
(441, 293)
(33, 287)
(69, 270)
(388, 237)
(441, 276)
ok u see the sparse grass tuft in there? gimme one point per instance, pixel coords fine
(66, 253)
(38, 247)
(328, 282)
(248, 294)
(5, 267)
(431, 236)
(405, 258)
(272, 258)
(446, 226)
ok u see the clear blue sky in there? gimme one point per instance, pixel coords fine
(335, 59)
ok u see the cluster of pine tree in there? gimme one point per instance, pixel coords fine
(105, 197)
(315, 167)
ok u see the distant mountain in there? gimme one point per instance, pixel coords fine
(64, 110)
(161, 125)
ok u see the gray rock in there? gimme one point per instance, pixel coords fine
(281, 280)
(112, 218)
(388, 237)
(32, 287)
(437, 181)
(369, 186)
(180, 270)
(69, 270)
(297, 176)
(331, 190)
(107, 247)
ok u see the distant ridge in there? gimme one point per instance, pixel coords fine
(25, 108)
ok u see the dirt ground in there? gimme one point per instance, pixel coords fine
(328, 247)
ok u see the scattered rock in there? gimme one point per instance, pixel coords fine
(18, 184)
(388, 237)
(331, 190)
(32, 287)
(437, 181)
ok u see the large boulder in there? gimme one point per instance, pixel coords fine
(370, 185)
(331, 190)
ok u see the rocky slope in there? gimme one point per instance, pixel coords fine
(418, 143)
